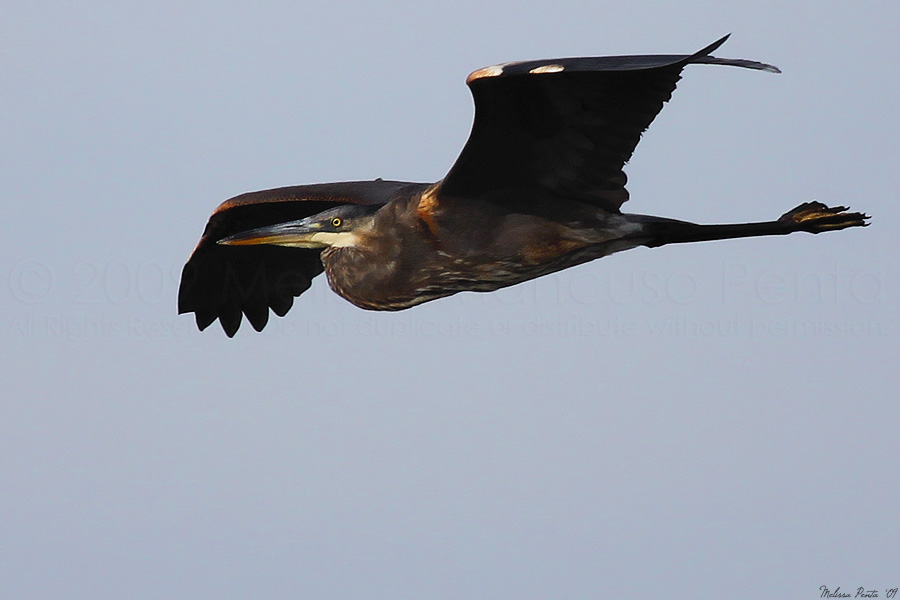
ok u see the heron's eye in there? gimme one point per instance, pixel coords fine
(337, 222)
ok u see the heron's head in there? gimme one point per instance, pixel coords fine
(339, 227)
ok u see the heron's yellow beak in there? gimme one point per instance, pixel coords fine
(293, 234)
(305, 233)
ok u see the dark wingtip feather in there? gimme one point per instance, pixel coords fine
(203, 319)
(737, 62)
(230, 319)
(712, 47)
(257, 314)
(281, 305)
(703, 57)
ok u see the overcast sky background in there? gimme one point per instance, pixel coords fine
(711, 420)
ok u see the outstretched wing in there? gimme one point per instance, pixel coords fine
(565, 127)
(224, 282)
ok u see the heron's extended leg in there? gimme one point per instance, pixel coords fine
(812, 217)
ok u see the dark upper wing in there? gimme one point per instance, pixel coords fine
(224, 282)
(565, 127)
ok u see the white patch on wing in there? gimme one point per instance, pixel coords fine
(492, 71)
(547, 69)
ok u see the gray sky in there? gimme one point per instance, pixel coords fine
(710, 420)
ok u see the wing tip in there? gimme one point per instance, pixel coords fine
(714, 46)
(705, 57)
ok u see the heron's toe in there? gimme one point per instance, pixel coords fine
(815, 217)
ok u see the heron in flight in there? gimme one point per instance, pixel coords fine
(537, 188)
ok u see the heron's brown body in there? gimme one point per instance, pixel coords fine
(421, 249)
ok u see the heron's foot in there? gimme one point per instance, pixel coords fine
(816, 217)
